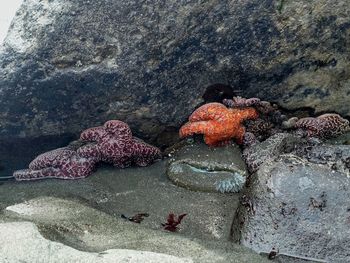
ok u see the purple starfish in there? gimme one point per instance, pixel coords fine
(113, 143)
(323, 127)
(239, 102)
(62, 163)
(268, 123)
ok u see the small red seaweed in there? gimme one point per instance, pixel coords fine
(173, 222)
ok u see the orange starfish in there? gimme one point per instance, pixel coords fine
(218, 123)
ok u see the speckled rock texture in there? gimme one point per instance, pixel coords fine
(69, 65)
(270, 149)
(297, 205)
(335, 157)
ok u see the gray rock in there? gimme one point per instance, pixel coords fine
(335, 157)
(297, 207)
(342, 139)
(32, 247)
(69, 66)
(201, 168)
(270, 149)
(80, 226)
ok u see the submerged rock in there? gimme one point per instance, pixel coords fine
(132, 191)
(77, 227)
(201, 168)
(68, 66)
(296, 204)
(31, 246)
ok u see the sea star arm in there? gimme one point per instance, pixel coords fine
(199, 127)
(249, 139)
(77, 167)
(118, 129)
(143, 153)
(309, 123)
(240, 131)
(28, 174)
(210, 111)
(324, 126)
(90, 151)
(333, 124)
(74, 168)
(246, 114)
(240, 102)
(94, 134)
(215, 142)
(308, 126)
(51, 158)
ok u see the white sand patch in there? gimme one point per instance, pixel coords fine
(22, 242)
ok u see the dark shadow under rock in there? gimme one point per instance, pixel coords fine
(17, 153)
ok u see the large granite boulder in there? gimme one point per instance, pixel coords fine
(66, 66)
(296, 205)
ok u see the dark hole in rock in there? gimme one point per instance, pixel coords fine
(217, 92)
(169, 136)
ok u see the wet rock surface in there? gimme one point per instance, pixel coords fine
(86, 215)
(295, 203)
(31, 246)
(268, 150)
(335, 157)
(67, 67)
(342, 139)
(198, 167)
